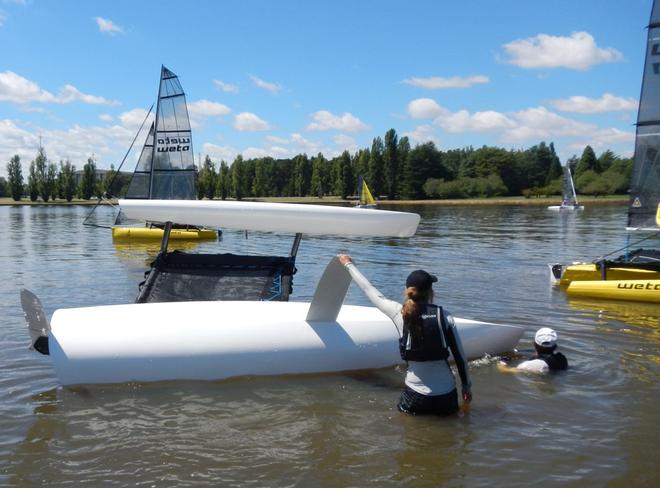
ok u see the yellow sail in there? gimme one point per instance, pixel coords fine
(366, 198)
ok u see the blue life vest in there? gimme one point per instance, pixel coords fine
(432, 345)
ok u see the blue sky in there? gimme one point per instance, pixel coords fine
(280, 77)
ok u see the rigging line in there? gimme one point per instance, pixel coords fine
(118, 169)
(626, 246)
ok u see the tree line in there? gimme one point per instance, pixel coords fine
(48, 181)
(392, 168)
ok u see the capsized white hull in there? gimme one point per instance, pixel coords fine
(566, 208)
(217, 340)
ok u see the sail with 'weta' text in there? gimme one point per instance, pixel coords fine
(166, 168)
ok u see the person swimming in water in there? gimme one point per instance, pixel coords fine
(546, 359)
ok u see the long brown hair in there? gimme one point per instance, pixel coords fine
(411, 312)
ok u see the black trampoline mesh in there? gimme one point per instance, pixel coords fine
(177, 277)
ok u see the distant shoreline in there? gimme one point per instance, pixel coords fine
(330, 200)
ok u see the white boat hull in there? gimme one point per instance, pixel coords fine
(566, 208)
(217, 340)
(274, 217)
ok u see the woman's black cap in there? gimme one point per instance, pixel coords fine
(420, 279)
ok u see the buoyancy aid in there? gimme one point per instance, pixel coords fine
(432, 345)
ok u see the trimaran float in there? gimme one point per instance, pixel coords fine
(635, 275)
(215, 316)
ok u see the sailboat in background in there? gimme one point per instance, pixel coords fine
(569, 197)
(635, 275)
(365, 199)
(166, 167)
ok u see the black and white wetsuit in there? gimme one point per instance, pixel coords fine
(428, 378)
(542, 363)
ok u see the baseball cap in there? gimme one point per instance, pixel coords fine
(420, 279)
(545, 337)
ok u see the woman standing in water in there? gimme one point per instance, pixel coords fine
(429, 334)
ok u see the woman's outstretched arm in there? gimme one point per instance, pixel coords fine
(389, 307)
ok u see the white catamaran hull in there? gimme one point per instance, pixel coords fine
(216, 340)
(566, 208)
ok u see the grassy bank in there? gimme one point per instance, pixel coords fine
(607, 200)
(330, 200)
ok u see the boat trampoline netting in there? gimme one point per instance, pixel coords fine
(179, 277)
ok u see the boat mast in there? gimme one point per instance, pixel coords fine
(570, 178)
(153, 149)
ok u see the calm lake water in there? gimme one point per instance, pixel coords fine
(594, 425)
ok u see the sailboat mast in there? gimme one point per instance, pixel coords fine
(153, 149)
(570, 178)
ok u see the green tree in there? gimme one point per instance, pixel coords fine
(50, 182)
(206, 180)
(319, 183)
(67, 180)
(606, 160)
(41, 169)
(4, 185)
(343, 175)
(262, 178)
(362, 164)
(238, 178)
(421, 164)
(555, 170)
(88, 181)
(375, 178)
(223, 182)
(391, 163)
(33, 182)
(588, 162)
(15, 175)
(302, 170)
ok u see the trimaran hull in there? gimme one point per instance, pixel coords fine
(217, 340)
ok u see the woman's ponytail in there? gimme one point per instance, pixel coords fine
(410, 311)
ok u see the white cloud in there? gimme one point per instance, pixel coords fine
(345, 142)
(425, 108)
(271, 87)
(324, 120)
(132, 119)
(70, 93)
(106, 118)
(438, 82)
(75, 143)
(14, 88)
(586, 105)
(106, 25)
(226, 87)
(578, 51)
(525, 126)
(220, 153)
(206, 108)
(463, 121)
(538, 123)
(303, 145)
(422, 134)
(259, 152)
(249, 122)
(277, 140)
(3, 17)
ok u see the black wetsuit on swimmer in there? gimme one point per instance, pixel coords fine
(544, 362)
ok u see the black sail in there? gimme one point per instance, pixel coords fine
(645, 184)
(166, 168)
